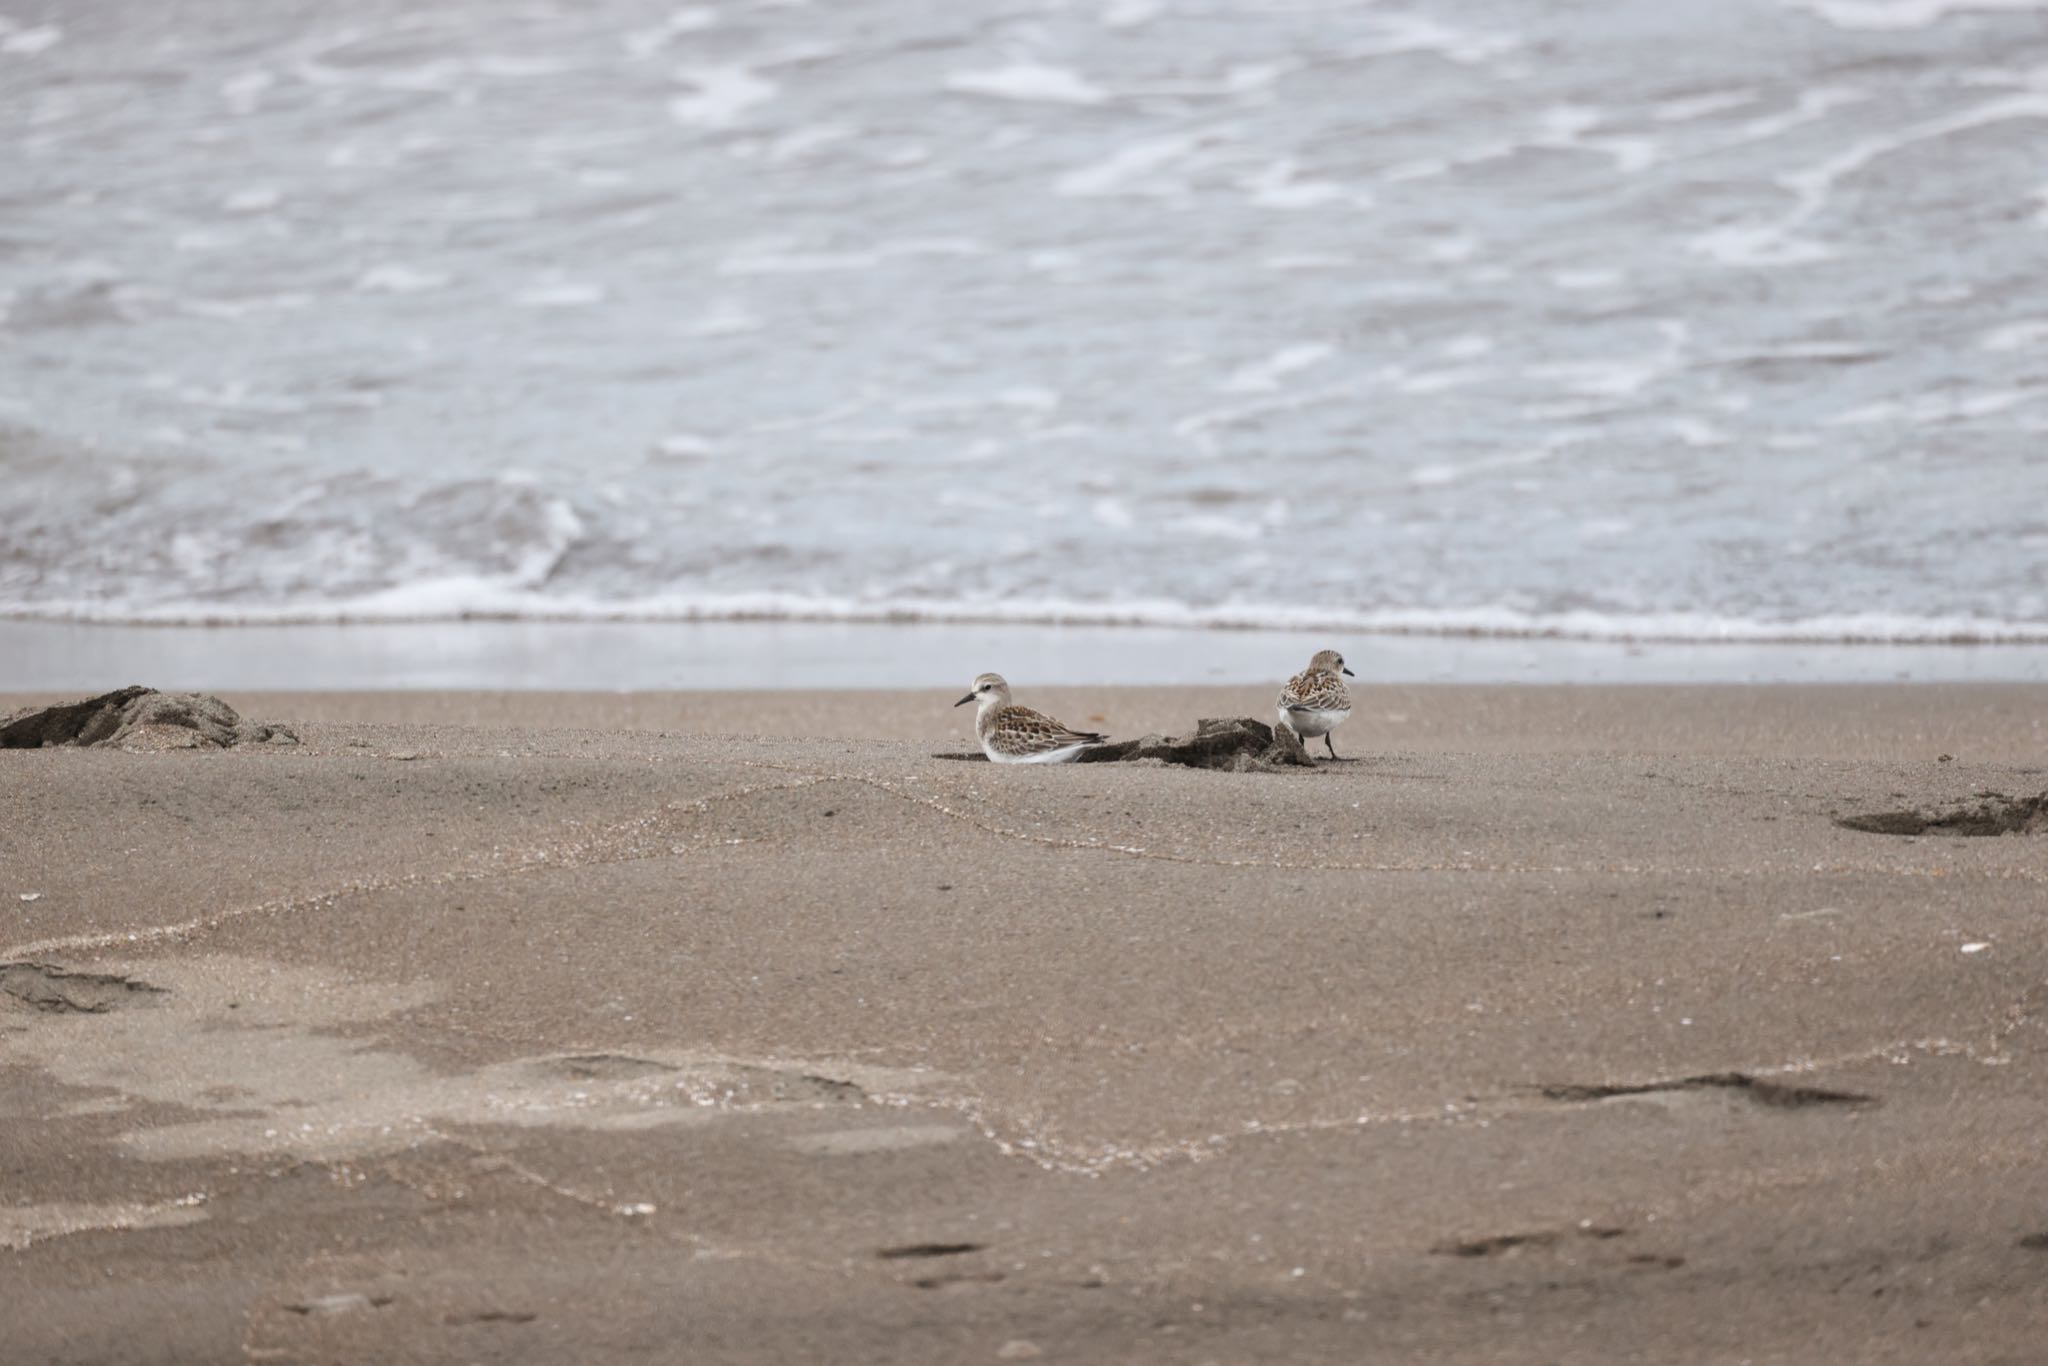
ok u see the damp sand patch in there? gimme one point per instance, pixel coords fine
(259, 1057)
(21, 1225)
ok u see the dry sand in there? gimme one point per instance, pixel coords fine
(1562, 1025)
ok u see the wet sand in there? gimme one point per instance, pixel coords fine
(1560, 1024)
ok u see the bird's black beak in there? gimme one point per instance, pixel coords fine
(965, 700)
(1349, 674)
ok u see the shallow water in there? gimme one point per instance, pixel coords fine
(608, 656)
(1697, 321)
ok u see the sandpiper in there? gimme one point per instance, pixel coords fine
(1314, 701)
(1011, 734)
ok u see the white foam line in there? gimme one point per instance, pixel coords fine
(1401, 35)
(2016, 336)
(460, 599)
(1032, 82)
(1123, 172)
(28, 42)
(646, 43)
(1689, 107)
(1814, 185)
(1433, 476)
(445, 75)
(721, 95)
(1264, 376)
(1774, 243)
(1565, 129)
(1928, 409)
(1199, 424)
(1894, 15)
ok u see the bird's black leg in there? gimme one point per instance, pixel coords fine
(1333, 748)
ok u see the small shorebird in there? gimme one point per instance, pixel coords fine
(1011, 734)
(1314, 701)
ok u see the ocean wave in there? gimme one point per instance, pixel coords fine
(1245, 377)
(479, 599)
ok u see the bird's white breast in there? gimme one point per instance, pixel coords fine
(1312, 722)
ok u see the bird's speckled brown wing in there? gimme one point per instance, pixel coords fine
(1315, 690)
(1020, 730)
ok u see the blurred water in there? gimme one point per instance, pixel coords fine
(610, 656)
(1687, 320)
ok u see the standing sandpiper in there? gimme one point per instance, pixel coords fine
(1314, 701)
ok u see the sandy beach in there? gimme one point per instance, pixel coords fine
(1561, 1024)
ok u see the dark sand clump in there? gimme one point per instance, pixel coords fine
(1239, 744)
(1995, 814)
(139, 718)
(1235, 744)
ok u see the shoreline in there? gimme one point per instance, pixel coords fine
(779, 656)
